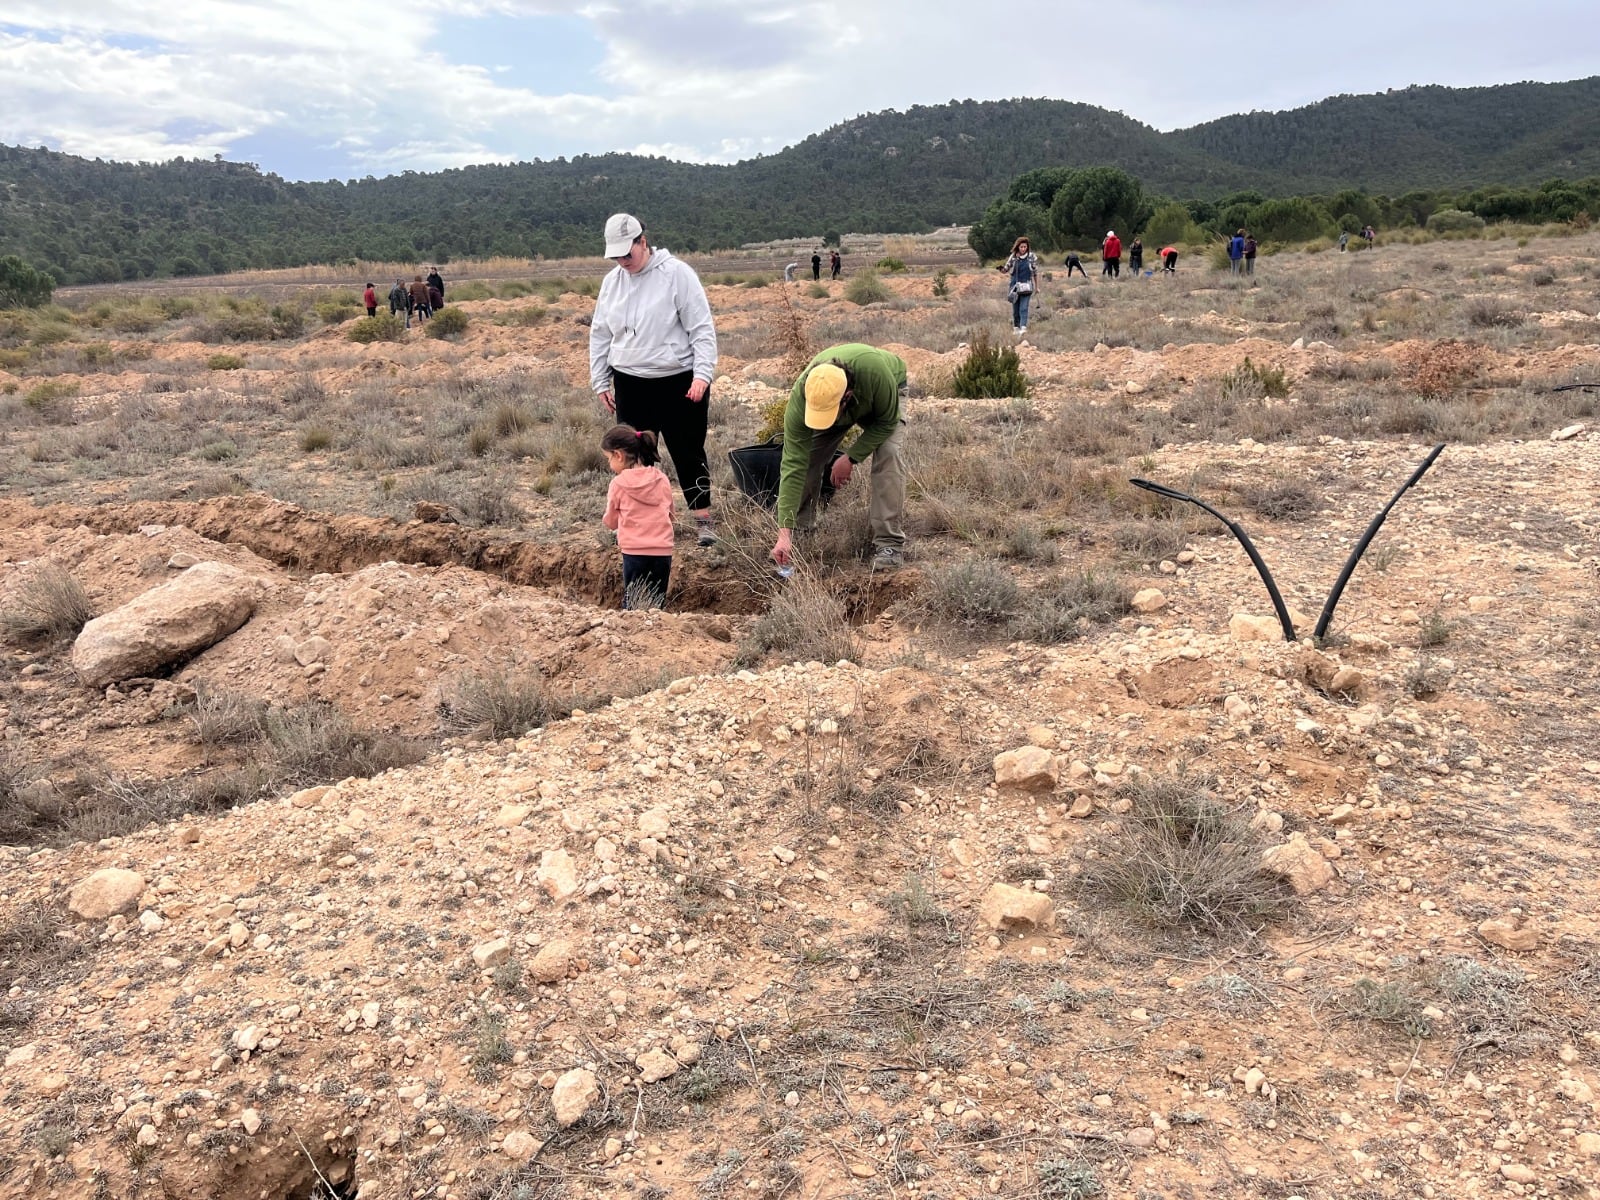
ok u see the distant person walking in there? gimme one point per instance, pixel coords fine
(1344, 241)
(1074, 263)
(1169, 260)
(370, 299)
(653, 354)
(1249, 254)
(419, 302)
(1236, 252)
(1111, 255)
(436, 282)
(399, 298)
(835, 263)
(1136, 255)
(1370, 235)
(816, 265)
(1023, 269)
(639, 511)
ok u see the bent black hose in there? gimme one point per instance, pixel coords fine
(1244, 540)
(1366, 540)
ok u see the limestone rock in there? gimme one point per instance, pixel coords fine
(1299, 864)
(656, 1065)
(1148, 600)
(557, 875)
(312, 650)
(551, 963)
(1027, 768)
(250, 1121)
(1515, 932)
(170, 622)
(520, 1145)
(105, 893)
(573, 1094)
(491, 954)
(1243, 627)
(1587, 1144)
(1005, 907)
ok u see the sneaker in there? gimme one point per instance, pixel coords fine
(888, 558)
(1022, 331)
(708, 533)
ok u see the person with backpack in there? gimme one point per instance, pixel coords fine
(835, 263)
(370, 299)
(1023, 269)
(1249, 254)
(1236, 252)
(1111, 255)
(399, 298)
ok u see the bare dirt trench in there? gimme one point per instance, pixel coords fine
(308, 542)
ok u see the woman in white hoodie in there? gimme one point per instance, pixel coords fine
(653, 353)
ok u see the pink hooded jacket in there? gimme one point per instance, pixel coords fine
(639, 508)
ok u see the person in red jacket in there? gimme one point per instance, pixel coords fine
(370, 299)
(1111, 255)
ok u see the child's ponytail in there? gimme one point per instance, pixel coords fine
(638, 445)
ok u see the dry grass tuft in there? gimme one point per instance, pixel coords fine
(49, 607)
(501, 702)
(1182, 859)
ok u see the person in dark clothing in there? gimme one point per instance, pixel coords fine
(370, 299)
(816, 265)
(419, 302)
(1074, 263)
(1249, 254)
(399, 298)
(835, 263)
(435, 300)
(1136, 255)
(436, 282)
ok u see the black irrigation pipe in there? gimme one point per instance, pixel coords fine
(1244, 540)
(1261, 567)
(1574, 387)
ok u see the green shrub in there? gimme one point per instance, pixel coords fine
(475, 290)
(941, 281)
(973, 593)
(818, 291)
(866, 288)
(287, 322)
(989, 371)
(1454, 220)
(1250, 379)
(47, 394)
(224, 362)
(316, 437)
(531, 315)
(514, 289)
(238, 325)
(447, 322)
(891, 264)
(218, 451)
(385, 327)
(23, 286)
(335, 310)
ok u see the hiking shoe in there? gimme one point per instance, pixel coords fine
(888, 558)
(708, 533)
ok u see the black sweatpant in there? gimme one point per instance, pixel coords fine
(663, 407)
(644, 580)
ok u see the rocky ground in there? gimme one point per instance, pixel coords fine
(1171, 908)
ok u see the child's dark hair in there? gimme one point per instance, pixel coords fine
(639, 446)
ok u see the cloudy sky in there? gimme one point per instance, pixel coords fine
(318, 89)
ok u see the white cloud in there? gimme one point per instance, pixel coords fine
(702, 80)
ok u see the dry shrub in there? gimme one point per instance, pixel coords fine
(1182, 859)
(1066, 608)
(1441, 368)
(503, 701)
(227, 718)
(316, 743)
(50, 606)
(805, 622)
(1485, 312)
(1285, 500)
(973, 593)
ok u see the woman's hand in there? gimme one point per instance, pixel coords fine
(698, 390)
(610, 401)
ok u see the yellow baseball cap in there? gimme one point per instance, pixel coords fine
(825, 388)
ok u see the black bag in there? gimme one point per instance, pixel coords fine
(757, 470)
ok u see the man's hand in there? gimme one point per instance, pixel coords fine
(609, 401)
(843, 468)
(782, 551)
(698, 389)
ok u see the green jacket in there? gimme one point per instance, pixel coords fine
(873, 404)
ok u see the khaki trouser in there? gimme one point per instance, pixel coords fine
(887, 505)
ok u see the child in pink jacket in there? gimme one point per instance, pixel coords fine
(639, 509)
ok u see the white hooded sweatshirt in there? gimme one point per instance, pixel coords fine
(653, 324)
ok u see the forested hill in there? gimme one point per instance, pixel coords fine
(893, 171)
(1418, 137)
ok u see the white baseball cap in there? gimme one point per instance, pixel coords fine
(621, 230)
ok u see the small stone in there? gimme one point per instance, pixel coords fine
(1028, 769)
(1253, 1079)
(1567, 432)
(1510, 933)
(1518, 1172)
(1082, 806)
(1004, 907)
(147, 1135)
(1148, 600)
(182, 560)
(1347, 681)
(1299, 863)
(656, 1065)
(106, 893)
(312, 650)
(512, 815)
(1576, 1089)
(1133, 387)
(1587, 1144)
(1243, 627)
(863, 1170)
(248, 1037)
(1141, 1139)
(551, 963)
(654, 823)
(250, 1122)
(1042, 736)
(370, 1012)
(491, 954)
(572, 1096)
(1343, 814)
(1481, 604)
(520, 1145)
(783, 854)
(558, 875)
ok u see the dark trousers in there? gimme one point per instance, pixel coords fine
(1113, 266)
(663, 407)
(816, 270)
(1169, 264)
(372, 310)
(836, 272)
(644, 580)
(1074, 264)
(1136, 263)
